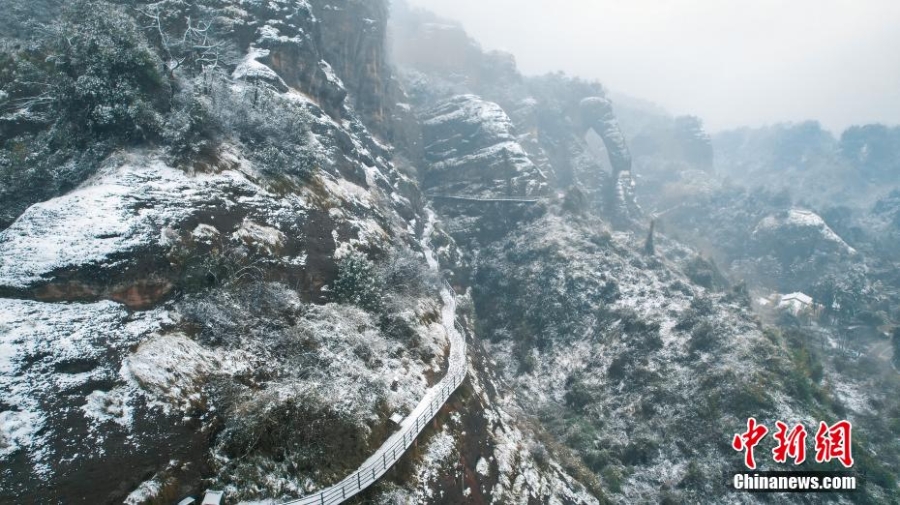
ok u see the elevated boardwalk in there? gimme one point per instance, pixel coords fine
(392, 450)
(469, 199)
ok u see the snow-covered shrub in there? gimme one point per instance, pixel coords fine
(106, 76)
(408, 274)
(704, 273)
(190, 129)
(579, 394)
(275, 129)
(284, 159)
(270, 427)
(223, 265)
(357, 283)
(703, 337)
(539, 452)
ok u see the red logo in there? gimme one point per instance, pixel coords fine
(747, 441)
(833, 442)
(791, 444)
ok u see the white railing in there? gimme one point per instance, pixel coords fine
(394, 448)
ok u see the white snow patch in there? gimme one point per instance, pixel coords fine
(263, 237)
(144, 493)
(18, 430)
(251, 68)
(109, 406)
(123, 209)
(483, 467)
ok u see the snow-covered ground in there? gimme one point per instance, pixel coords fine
(49, 352)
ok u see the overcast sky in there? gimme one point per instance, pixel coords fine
(731, 62)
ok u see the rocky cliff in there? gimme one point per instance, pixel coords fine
(230, 275)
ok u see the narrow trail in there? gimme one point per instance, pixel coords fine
(394, 447)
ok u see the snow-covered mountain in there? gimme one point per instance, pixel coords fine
(226, 231)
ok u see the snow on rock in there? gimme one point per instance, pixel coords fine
(109, 406)
(802, 225)
(51, 351)
(438, 453)
(205, 233)
(251, 69)
(141, 210)
(18, 430)
(144, 493)
(473, 150)
(482, 467)
(330, 75)
(262, 237)
(123, 210)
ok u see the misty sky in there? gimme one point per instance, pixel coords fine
(731, 62)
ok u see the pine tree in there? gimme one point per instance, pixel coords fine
(357, 283)
(649, 247)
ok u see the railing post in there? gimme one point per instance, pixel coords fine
(322, 496)
(358, 480)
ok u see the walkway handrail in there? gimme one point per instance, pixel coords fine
(393, 449)
(472, 199)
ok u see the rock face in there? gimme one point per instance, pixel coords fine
(549, 117)
(67, 414)
(597, 114)
(800, 246)
(799, 232)
(130, 348)
(331, 50)
(158, 319)
(472, 151)
(476, 171)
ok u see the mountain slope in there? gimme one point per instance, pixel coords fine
(225, 229)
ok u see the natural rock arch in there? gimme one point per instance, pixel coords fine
(597, 114)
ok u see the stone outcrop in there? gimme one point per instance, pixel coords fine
(476, 172)
(798, 233)
(472, 151)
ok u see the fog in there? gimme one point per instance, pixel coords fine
(735, 63)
